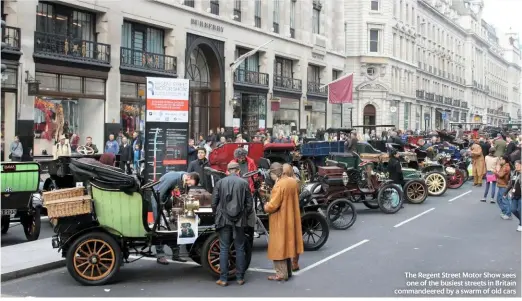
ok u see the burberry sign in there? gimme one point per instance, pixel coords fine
(206, 25)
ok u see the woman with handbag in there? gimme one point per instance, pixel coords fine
(491, 179)
(16, 150)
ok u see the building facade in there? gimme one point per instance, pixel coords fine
(91, 60)
(424, 64)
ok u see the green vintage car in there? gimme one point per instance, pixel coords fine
(20, 183)
(415, 188)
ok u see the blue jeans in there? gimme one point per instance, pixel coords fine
(493, 186)
(225, 240)
(503, 203)
(515, 208)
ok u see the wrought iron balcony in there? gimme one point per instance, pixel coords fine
(490, 111)
(11, 39)
(439, 98)
(448, 101)
(242, 76)
(430, 96)
(147, 61)
(456, 102)
(287, 83)
(71, 49)
(420, 94)
(315, 88)
(464, 104)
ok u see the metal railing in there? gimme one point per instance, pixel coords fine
(288, 83)
(11, 37)
(139, 59)
(315, 88)
(464, 104)
(420, 94)
(251, 77)
(63, 46)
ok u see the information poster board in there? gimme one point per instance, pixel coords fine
(166, 126)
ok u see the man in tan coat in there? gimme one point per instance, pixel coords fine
(286, 237)
(479, 165)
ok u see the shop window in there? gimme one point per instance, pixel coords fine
(252, 112)
(74, 118)
(65, 21)
(132, 108)
(316, 120)
(47, 81)
(337, 115)
(286, 119)
(71, 84)
(94, 86)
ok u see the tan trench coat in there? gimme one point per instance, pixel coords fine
(477, 159)
(286, 237)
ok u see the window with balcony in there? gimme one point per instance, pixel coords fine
(316, 17)
(314, 80)
(275, 24)
(374, 5)
(292, 19)
(214, 7)
(284, 75)
(237, 10)
(143, 47)
(374, 40)
(66, 32)
(248, 71)
(189, 3)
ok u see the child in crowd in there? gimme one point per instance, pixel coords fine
(137, 157)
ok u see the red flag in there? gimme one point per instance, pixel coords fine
(340, 91)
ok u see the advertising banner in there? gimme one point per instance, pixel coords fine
(166, 126)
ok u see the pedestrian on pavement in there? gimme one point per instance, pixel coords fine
(137, 157)
(291, 172)
(198, 166)
(171, 181)
(502, 172)
(500, 146)
(286, 238)
(16, 150)
(485, 145)
(491, 179)
(234, 212)
(511, 145)
(478, 163)
(513, 193)
(126, 154)
(192, 151)
(136, 139)
(112, 146)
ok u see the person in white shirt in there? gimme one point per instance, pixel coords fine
(62, 148)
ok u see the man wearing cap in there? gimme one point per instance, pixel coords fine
(246, 164)
(62, 148)
(234, 212)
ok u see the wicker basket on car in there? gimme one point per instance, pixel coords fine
(67, 202)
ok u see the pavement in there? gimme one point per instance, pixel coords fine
(452, 234)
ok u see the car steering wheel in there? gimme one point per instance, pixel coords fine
(85, 150)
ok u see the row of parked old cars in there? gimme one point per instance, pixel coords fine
(110, 210)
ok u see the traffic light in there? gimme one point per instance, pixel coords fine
(4, 67)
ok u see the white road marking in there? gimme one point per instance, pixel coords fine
(412, 218)
(459, 196)
(331, 257)
(196, 264)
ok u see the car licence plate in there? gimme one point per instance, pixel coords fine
(8, 211)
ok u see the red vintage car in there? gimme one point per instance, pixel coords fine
(222, 155)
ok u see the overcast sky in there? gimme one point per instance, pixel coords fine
(504, 14)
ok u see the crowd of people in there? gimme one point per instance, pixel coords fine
(498, 160)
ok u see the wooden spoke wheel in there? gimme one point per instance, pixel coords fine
(210, 258)
(436, 183)
(315, 230)
(94, 258)
(416, 191)
(309, 170)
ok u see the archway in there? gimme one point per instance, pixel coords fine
(205, 73)
(369, 115)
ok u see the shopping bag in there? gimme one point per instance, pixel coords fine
(470, 169)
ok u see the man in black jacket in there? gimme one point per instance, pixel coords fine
(513, 191)
(233, 208)
(511, 145)
(126, 156)
(198, 166)
(395, 170)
